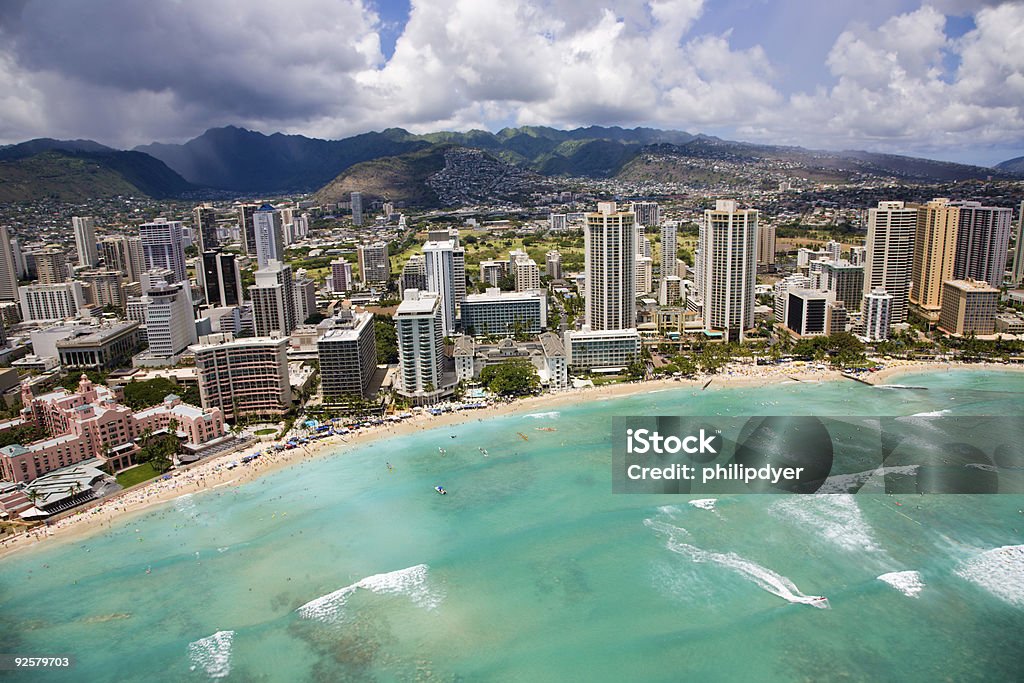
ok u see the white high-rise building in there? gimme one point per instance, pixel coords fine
(982, 242)
(876, 315)
(441, 277)
(858, 255)
(643, 245)
(669, 248)
(553, 265)
(163, 246)
(834, 250)
(357, 208)
(419, 321)
(729, 259)
(170, 323)
(269, 233)
(610, 268)
(644, 275)
(890, 254)
(671, 293)
(556, 222)
(273, 300)
(55, 301)
(8, 270)
(527, 274)
(85, 240)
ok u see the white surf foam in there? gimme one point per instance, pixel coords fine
(411, 582)
(704, 503)
(934, 413)
(544, 416)
(843, 483)
(909, 582)
(764, 578)
(212, 654)
(1000, 571)
(836, 518)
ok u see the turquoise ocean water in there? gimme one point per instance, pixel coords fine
(532, 570)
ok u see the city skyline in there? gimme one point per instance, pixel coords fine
(936, 79)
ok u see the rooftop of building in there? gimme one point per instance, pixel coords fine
(972, 285)
(82, 336)
(242, 343)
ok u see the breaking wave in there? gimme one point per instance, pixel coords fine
(544, 416)
(999, 571)
(411, 582)
(704, 503)
(909, 582)
(836, 518)
(212, 654)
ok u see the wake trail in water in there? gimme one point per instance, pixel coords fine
(762, 577)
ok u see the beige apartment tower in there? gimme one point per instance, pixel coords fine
(934, 255)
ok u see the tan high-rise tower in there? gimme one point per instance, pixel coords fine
(934, 255)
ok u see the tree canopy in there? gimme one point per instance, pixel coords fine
(515, 378)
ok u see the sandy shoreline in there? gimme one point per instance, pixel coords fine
(213, 474)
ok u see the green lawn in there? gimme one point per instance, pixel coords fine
(264, 432)
(136, 475)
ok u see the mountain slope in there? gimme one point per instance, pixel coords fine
(1015, 165)
(441, 175)
(246, 161)
(70, 176)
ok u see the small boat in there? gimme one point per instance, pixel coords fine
(819, 601)
(522, 436)
(707, 384)
(440, 489)
(483, 450)
(546, 429)
(441, 450)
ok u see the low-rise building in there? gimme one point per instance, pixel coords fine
(99, 347)
(546, 354)
(91, 423)
(602, 350)
(505, 313)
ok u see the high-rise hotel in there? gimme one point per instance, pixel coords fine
(890, 254)
(728, 253)
(610, 266)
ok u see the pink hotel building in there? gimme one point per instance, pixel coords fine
(90, 423)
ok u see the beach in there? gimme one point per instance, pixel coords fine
(215, 474)
(343, 568)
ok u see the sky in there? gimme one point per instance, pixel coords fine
(942, 79)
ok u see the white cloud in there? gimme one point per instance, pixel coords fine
(126, 72)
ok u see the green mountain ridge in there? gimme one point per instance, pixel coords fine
(77, 175)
